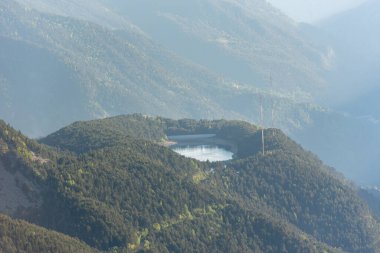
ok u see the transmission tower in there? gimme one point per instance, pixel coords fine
(272, 103)
(262, 124)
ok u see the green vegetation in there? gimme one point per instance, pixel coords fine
(21, 237)
(122, 130)
(113, 186)
(106, 133)
(296, 187)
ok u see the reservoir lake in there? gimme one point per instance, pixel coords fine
(203, 147)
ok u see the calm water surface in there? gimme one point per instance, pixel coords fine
(198, 147)
(205, 152)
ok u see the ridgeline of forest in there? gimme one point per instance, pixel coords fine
(18, 236)
(112, 184)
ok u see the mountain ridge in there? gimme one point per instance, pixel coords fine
(20, 236)
(86, 188)
(106, 72)
(225, 40)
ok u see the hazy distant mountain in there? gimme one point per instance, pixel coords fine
(244, 40)
(48, 60)
(355, 79)
(93, 11)
(356, 40)
(66, 69)
(311, 11)
(35, 87)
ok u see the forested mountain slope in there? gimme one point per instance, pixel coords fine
(23, 237)
(288, 183)
(139, 196)
(135, 195)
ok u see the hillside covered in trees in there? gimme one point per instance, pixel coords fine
(18, 236)
(184, 62)
(112, 184)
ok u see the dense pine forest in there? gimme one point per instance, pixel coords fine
(18, 236)
(114, 185)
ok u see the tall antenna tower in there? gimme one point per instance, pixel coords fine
(272, 102)
(262, 124)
